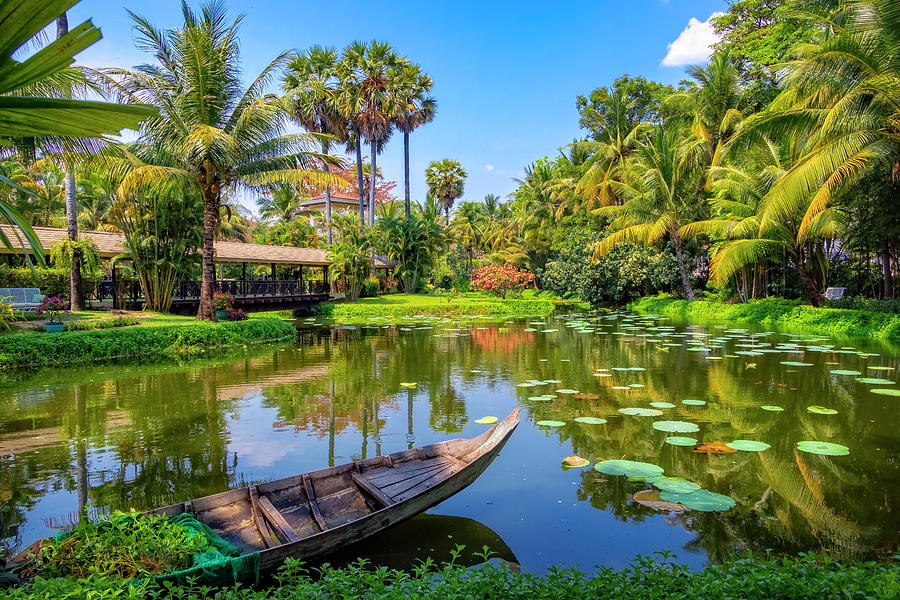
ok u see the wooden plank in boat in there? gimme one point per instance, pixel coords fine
(399, 487)
(425, 484)
(371, 490)
(260, 524)
(311, 499)
(387, 476)
(282, 527)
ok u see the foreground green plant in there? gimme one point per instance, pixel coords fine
(805, 577)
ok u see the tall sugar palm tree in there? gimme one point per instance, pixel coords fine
(446, 180)
(365, 96)
(312, 83)
(411, 107)
(212, 134)
(661, 186)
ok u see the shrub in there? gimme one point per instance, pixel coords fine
(52, 307)
(223, 301)
(25, 351)
(236, 314)
(7, 313)
(323, 309)
(500, 280)
(93, 324)
(369, 288)
(52, 281)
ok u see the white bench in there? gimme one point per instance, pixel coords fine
(22, 299)
(834, 293)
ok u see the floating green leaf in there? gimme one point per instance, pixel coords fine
(748, 445)
(679, 485)
(694, 402)
(824, 448)
(874, 381)
(629, 468)
(881, 368)
(793, 363)
(567, 391)
(845, 372)
(550, 423)
(676, 440)
(543, 398)
(771, 407)
(822, 410)
(675, 426)
(408, 384)
(590, 420)
(662, 405)
(640, 412)
(702, 500)
(486, 420)
(886, 391)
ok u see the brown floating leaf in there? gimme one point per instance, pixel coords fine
(584, 396)
(717, 447)
(576, 461)
(650, 499)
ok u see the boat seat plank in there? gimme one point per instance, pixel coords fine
(370, 489)
(313, 506)
(283, 529)
(426, 483)
(264, 533)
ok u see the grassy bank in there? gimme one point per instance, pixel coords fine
(410, 305)
(782, 313)
(29, 350)
(797, 579)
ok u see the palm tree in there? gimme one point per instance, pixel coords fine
(279, 202)
(365, 97)
(312, 83)
(661, 186)
(846, 88)
(211, 134)
(411, 107)
(413, 243)
(350, 255)
(446, 179)
(24, 115)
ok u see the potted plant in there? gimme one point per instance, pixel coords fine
(223, 302)
(54, 308)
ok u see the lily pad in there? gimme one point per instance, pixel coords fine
(886, 391)
(772, 408)
(651, 499)
(629, 468)
(823, 448)
(640, 412)
(676, 426)
(678, 485)
(550, 423)
(677, 440)
(845, 372)
(590, 420)
(748, 445)
(881, 368)
(567, 391)
(544, 398)
(717, 447)
(874, 381)
(793, 363)
(702, 500)
(576, 461)
(822, 410)
(408, 384)
(694, 402)
(486, 420)
(662, 405)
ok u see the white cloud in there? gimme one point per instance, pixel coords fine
(693, 44)
(488, 167)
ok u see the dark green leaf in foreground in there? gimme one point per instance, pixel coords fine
(629, 468)
(701, 500)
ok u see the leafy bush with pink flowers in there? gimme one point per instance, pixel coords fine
(500, 280)
(53, 307)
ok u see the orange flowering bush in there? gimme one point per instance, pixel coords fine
(499, 280)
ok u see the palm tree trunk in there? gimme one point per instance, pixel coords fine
(406, 172)
(328, 205)
(374, 152)
(816, 298)
(359, 182)
(76, 298)
(206, 310)
(886, 271)
(679, 255)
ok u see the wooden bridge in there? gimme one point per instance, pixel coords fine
(307, 267)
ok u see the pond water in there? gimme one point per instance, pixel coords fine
(131, 436)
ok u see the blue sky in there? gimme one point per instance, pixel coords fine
(506, 72)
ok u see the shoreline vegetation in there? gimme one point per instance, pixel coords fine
(179, 338)
(465, 304)
(880, 326)
(803, 578)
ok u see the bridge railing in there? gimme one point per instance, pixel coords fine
(239, 288)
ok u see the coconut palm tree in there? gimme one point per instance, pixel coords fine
(312, 82)
(845, 86)
(661, 187)
(211, 134)
(411, 107)
(446, 180)
(279, 203)
(365, 97)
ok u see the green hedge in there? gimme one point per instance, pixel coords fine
(455, 307)
(780, 312)
(804, 578)
(93, 324)
(24, 351)
(52, 281)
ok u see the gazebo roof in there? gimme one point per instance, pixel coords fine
(110, 244)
